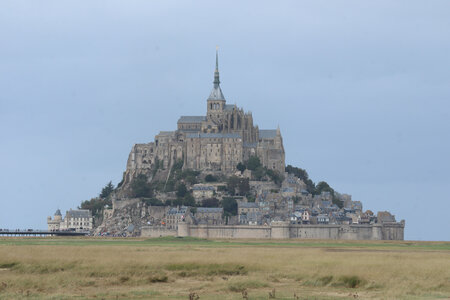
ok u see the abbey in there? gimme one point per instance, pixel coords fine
(216, 142)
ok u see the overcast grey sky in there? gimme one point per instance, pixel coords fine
(360, 90)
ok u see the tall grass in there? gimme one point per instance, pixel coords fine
(175, 269)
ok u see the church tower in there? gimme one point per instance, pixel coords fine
(216, 100)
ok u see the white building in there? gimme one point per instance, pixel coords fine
(78, 220)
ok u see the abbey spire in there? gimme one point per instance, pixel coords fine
(216, 71)
(216, 93)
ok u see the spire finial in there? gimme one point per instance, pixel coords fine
(216, 72)
(217, 58)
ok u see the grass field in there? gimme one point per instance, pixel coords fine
(175, 268)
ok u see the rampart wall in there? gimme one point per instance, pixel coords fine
(386, 231)
(157, 231)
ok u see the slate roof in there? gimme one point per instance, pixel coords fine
(213, 135)
(191, 119)
(229, 106)
(326, 203)
(203, 188)
(216, 94)
(166, 133)
(248, 205)
(267, 133)
(209, 210)
(79, 213)
(175, 210)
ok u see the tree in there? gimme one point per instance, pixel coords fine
(237, 185)
(325, 187)
(303, 175)
(140, 186)
(210, 178)
(253, 163)
(188, 200)
(241, 167)
(229, 206)
(244, 186)
(298, 172)
(107, 190)
(232, 184)
(275, 176)
(189, 176)
(259, 173)
(181, 190)
(210, 202)
(95, 205)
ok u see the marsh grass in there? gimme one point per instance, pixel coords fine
(243, 285)
(351, 281)
(173, 268)
(201, 269)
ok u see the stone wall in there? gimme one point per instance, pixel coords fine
(391, 231)
(157, 231)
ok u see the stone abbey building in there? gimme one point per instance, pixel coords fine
(216, 142)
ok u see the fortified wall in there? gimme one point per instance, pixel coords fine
(385, 231)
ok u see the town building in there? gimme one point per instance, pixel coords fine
(77, 220)
(209, 215)
(203, 191)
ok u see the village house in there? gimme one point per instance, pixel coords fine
(176, 215)
(203, 191)
(209, 215)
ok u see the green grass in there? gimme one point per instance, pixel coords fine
(189, 241)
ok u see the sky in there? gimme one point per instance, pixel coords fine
(360, 90)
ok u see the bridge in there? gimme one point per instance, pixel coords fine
(30, 232)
